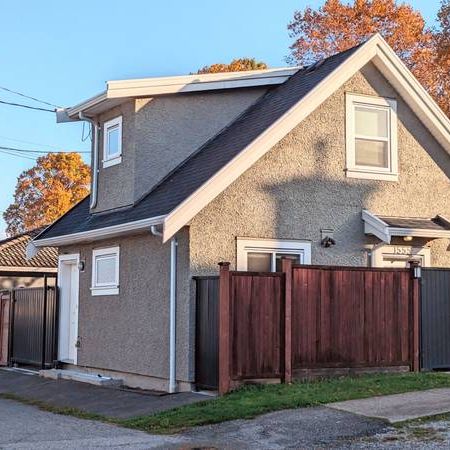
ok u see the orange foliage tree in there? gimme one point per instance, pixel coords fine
(237, 65)
(337, 26)
(46, 191)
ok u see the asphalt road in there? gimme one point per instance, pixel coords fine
(26, 427)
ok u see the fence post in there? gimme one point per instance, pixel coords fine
(44, 324)
(286, 267)
(224, 328)
(415, 271)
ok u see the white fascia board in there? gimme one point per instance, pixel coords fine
(375, 49)
(264, 142)
(100, 233)
(28, 269)
(374, 225)
(170, 85)
(195, 83)
(419, 232)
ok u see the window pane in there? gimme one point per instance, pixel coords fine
(279, 256)
(371, 153)
(106, 270)
(259, 262)
(113, 141)
(371, 122)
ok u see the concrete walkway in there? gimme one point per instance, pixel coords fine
(399, 407)
(111, 402)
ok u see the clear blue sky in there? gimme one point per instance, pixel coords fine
(63, 52)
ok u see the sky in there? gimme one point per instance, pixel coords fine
(64, 52)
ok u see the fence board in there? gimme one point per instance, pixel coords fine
(351, 318)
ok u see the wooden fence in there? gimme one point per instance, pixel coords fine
(281, 325)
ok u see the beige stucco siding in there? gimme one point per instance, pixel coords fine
(158, 134)
(300, 187)
(129, 332)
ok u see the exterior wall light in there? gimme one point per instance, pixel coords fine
(81, 266)
(407, 238)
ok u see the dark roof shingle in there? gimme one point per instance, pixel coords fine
(209, 158)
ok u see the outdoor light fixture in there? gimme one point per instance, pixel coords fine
(81, 266)
(407, 238)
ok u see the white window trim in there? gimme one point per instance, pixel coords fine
(105, 289)
(403, 252)
(112, 160)
(255, 245)
(368, 172)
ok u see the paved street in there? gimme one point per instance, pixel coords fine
(26, 427)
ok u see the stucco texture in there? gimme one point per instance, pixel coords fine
(158, 134)
(129, 332)
(300, 187)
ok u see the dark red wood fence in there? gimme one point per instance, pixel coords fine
(275, 325)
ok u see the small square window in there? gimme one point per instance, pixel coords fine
(112, 142)
(371, 137)
(105, 271)
(265, 255)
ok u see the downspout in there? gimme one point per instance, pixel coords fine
(172, 310)
(95, 132)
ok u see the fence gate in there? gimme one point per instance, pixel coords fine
(435, 326)
(4, 326)
(33, 326)
(207, 333)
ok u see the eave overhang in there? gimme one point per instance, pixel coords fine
(379, 227)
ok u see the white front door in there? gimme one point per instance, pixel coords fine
(68, 279)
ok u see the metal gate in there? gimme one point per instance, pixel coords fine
(33, 338)
(207, 333)
(435, 324)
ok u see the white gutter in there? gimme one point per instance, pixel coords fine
(172, 310)
(95, 131)
(100, 233)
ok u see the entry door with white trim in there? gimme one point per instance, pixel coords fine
(68, 280)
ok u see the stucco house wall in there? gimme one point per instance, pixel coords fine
(300, 187)
(129, 332)
(158, 134)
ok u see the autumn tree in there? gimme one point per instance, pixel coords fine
(337, 26)
(237, 65)
(46, 191)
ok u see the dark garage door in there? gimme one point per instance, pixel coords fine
(435, 330)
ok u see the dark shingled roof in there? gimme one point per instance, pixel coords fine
(415, 222)
(13, 252)
(209, 158)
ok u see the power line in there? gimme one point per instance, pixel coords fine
(28, 96)
(39, 144)
(24, 150)
(27, 106)
(17, 155)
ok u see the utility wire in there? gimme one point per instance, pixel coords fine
(24, 150)
(39, 144)
(17, 155)
(28, 96)
(27, 106)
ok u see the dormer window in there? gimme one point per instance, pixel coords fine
(371, 137)
(112, 142)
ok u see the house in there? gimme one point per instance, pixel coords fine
(18, 271)
(344, 162)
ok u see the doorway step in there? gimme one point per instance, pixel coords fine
(73, 375)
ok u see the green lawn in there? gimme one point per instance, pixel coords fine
(251, 401)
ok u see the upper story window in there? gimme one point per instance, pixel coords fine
(112, 142)
(371, 137)
(265, 255)
(105, 271)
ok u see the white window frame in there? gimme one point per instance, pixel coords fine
(105, 288)
(274, 246)
(369, 172)
(116, 158)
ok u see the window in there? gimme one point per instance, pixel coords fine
(105, 271)
(371, 137)
(112, 142)
(264, 255)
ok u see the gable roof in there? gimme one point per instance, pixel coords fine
(13, 253)
(221, 160)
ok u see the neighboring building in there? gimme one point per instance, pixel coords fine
(345, 162)
(16, 270)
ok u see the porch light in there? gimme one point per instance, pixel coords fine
(81, 266)
(407, 238)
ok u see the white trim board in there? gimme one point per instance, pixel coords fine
(376, 226)
(388, 63)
